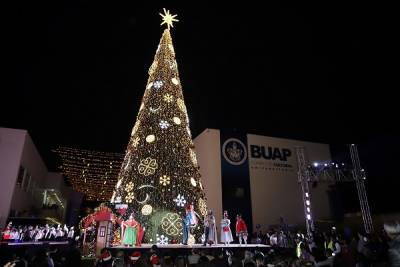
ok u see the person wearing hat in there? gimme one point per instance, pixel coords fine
(105, 259)
(393, 232)
(155, 261)
(135, 259)
(7, 231)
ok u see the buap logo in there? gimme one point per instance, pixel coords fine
(234, 151)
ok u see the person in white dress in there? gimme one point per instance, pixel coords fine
(226, 233)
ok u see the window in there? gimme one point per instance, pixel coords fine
(20, 177)
(27, 181)
(102, 231)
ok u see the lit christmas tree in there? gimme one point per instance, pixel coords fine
(160, 175)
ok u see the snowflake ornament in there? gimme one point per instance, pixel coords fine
(168, 98)
(162, 240)
(158, 84)
(165, 180)
(180, 200)
(129, 187)
(163, 124)
(129, 197)
(135, 142)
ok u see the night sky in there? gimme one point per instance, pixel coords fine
(77, 71)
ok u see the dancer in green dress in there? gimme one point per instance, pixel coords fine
(130, 231)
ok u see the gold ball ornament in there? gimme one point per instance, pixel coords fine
(147, 209)
(175, 81)
(176, 120)
(150, 138)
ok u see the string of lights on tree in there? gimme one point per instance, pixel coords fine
(92, 173)
(160, 175)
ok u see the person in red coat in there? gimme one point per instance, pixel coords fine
(241, 229)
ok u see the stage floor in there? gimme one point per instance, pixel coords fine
(199, 246)
(34, 243)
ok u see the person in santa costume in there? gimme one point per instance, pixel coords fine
(155, 261)
(226, 233)
(241, 229)
(105, 259)
(7, 231)
(134, 259)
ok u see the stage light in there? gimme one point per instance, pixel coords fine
(308, 202)
(315, 164)
(307, 194)
(308, 209)
(325, 164)
(308, 217)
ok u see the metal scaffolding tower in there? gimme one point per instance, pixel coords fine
(333, 173)
(304, 179)
(359, 177)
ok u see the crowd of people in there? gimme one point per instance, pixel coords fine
(288, 248)
(195, 258)
(29, 233)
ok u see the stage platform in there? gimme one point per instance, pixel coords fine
(178, 249)
(40, 243)
(198, 246)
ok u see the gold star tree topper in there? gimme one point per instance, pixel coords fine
(168, 18)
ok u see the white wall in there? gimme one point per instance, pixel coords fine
(209, 158)
(276, 192)
(11, 148)
(31, 160)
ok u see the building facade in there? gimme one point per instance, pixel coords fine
(28, 189)
(256, 176)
